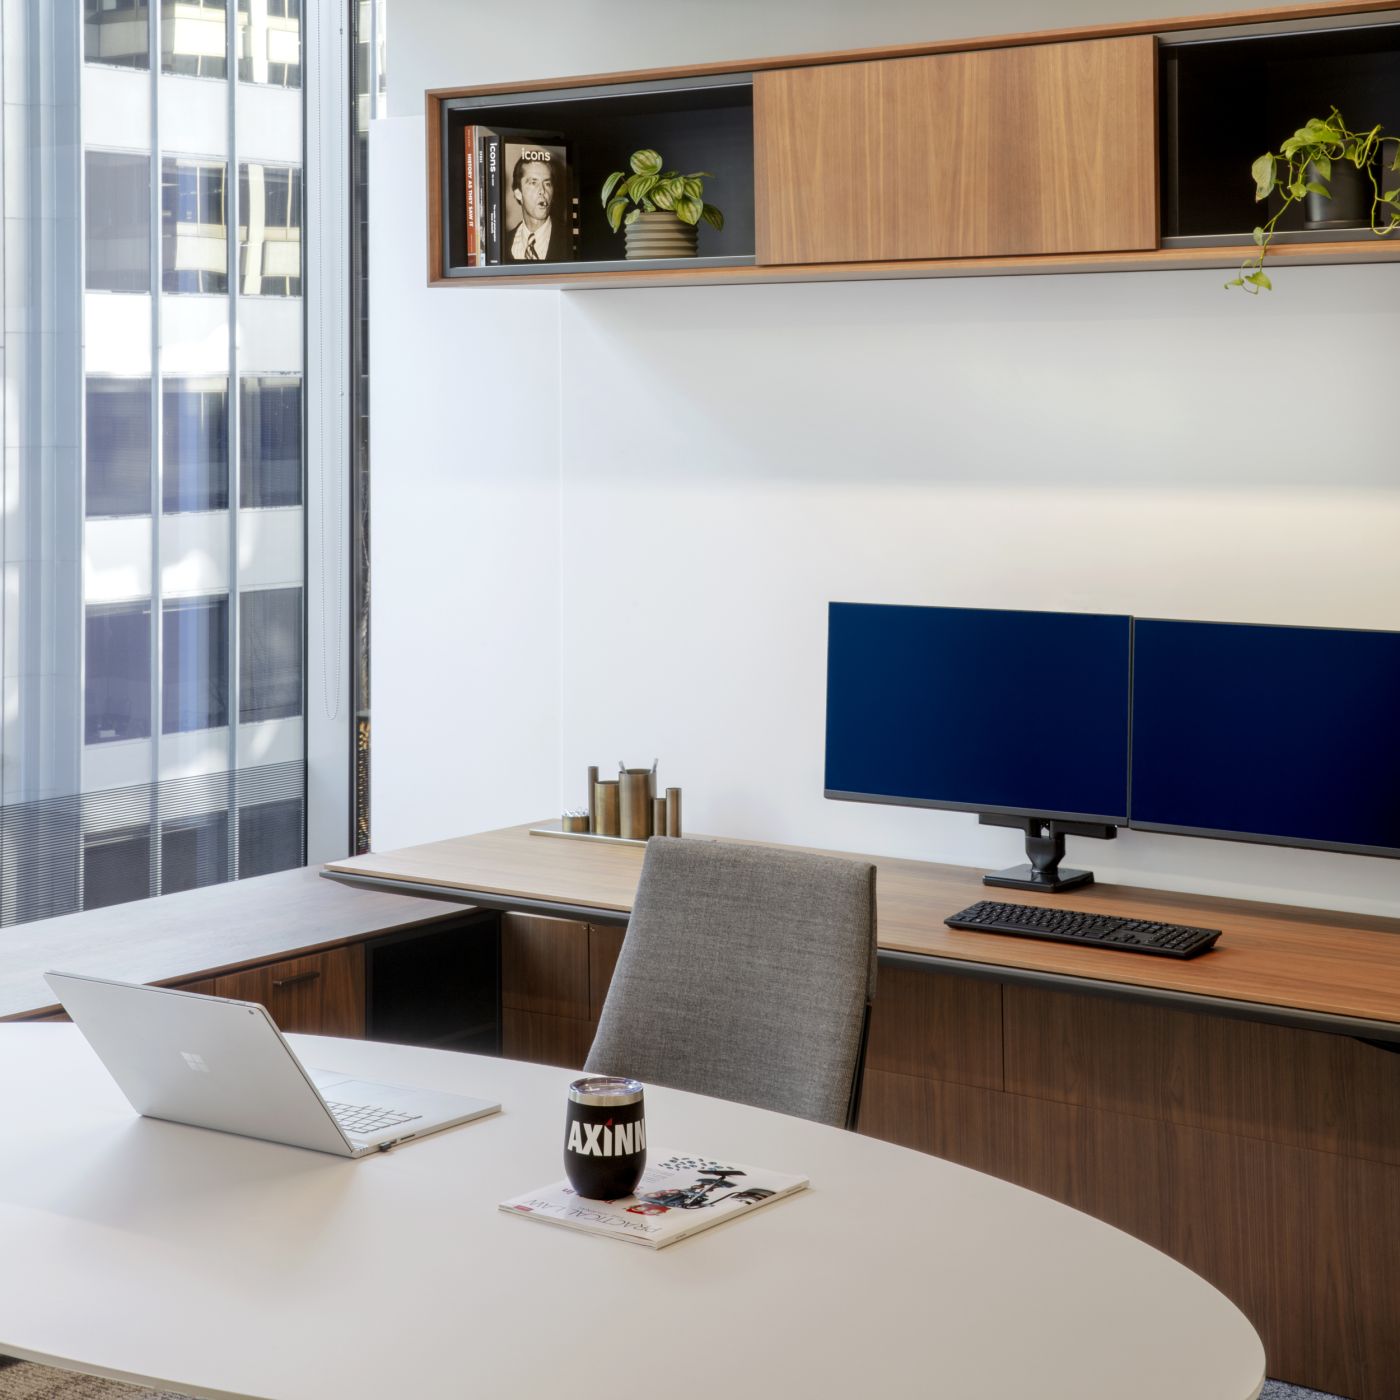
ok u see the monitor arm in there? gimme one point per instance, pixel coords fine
(1045, 849)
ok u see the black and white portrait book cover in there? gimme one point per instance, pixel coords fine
(536, 212)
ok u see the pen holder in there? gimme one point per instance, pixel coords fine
(635, 803)
(605, 807)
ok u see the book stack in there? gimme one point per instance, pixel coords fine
(520, 206)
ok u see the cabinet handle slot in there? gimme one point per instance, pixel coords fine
(279, 982)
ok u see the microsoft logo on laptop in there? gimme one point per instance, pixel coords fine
(195, 1062)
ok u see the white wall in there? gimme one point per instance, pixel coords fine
(465, 532)
(1124, 443)
(1128, 442)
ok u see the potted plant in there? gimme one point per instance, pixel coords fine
(666, 208)
(1333, 169)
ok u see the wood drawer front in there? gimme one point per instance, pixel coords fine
(1301, 1088)
(936, 1025)
(322, 994)
(1050, 148)
(546, 1040)
(604, 946)
(544, 966)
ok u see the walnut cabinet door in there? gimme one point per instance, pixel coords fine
(1046, 148)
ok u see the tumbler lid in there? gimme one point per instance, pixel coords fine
(605, 1091)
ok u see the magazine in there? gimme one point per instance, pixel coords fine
(677, 1196)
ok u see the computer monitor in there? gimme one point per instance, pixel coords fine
(1021, 717)
(1284, 735)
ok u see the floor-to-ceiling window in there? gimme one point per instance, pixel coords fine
(154, 611)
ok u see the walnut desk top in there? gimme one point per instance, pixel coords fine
(1306, 967)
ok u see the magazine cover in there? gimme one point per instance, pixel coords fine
(676, 1197)
(536, 212)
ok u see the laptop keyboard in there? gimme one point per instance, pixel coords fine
(364, 1120)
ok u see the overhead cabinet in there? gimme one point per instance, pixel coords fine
(1120, 148)
(1049, 148)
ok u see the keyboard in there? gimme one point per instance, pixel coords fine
(1096, 930)
(364, 1120)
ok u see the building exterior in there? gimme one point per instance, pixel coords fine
(154, 615)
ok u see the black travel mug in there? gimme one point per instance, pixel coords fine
(605, 1137)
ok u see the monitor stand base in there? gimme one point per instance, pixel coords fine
(1045, 849)
(1027, 877)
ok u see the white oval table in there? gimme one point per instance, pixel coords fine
(221, 1266)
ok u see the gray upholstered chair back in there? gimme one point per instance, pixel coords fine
(746, 974)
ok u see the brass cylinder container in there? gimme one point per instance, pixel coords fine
(634, 803)
(605, 808)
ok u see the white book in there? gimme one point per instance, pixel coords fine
(677, 1196)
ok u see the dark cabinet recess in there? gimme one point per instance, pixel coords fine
(439, 986)
(697, 124)
(1228, 100)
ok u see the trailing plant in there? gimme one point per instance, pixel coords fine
(650, 188)
(1303, 165)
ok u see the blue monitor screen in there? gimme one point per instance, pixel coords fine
(1281, 734)
(985, 711)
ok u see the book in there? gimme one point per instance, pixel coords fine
(677, 1197)
(469, 181)
(536, 207)
(488, 146)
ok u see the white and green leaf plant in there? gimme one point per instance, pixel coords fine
(649, 188)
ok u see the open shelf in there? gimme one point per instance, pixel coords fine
(695, 123)
(1227, 100)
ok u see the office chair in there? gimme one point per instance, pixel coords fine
(747, 974)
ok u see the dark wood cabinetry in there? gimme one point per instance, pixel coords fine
(554, 977)
(1224, 1143)
(320, 994)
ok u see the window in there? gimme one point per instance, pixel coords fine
(269, 642)
(269, 42)
(118, 222)
(194, 427)
(193, 235)
(269, 203)
(117, 687)
(116, 867)
(269, 837)
(194, 681)
(270, 441)
(115, 33)
(194, 38)
(118, 440)
(194, 852)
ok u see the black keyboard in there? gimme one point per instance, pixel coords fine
(1075, 926)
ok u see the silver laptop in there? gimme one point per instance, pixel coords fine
(223, 1064)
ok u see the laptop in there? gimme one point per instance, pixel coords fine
(215, 1063)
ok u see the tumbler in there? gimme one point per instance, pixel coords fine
(605, 1137)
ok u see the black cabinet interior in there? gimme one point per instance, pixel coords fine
(1227, 101)
(439, 986)
(699, 127)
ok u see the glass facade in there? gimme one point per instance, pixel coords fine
(153, 732)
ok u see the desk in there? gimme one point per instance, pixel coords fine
(226, 1267)
(1305, 967)
(1240, 1111)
